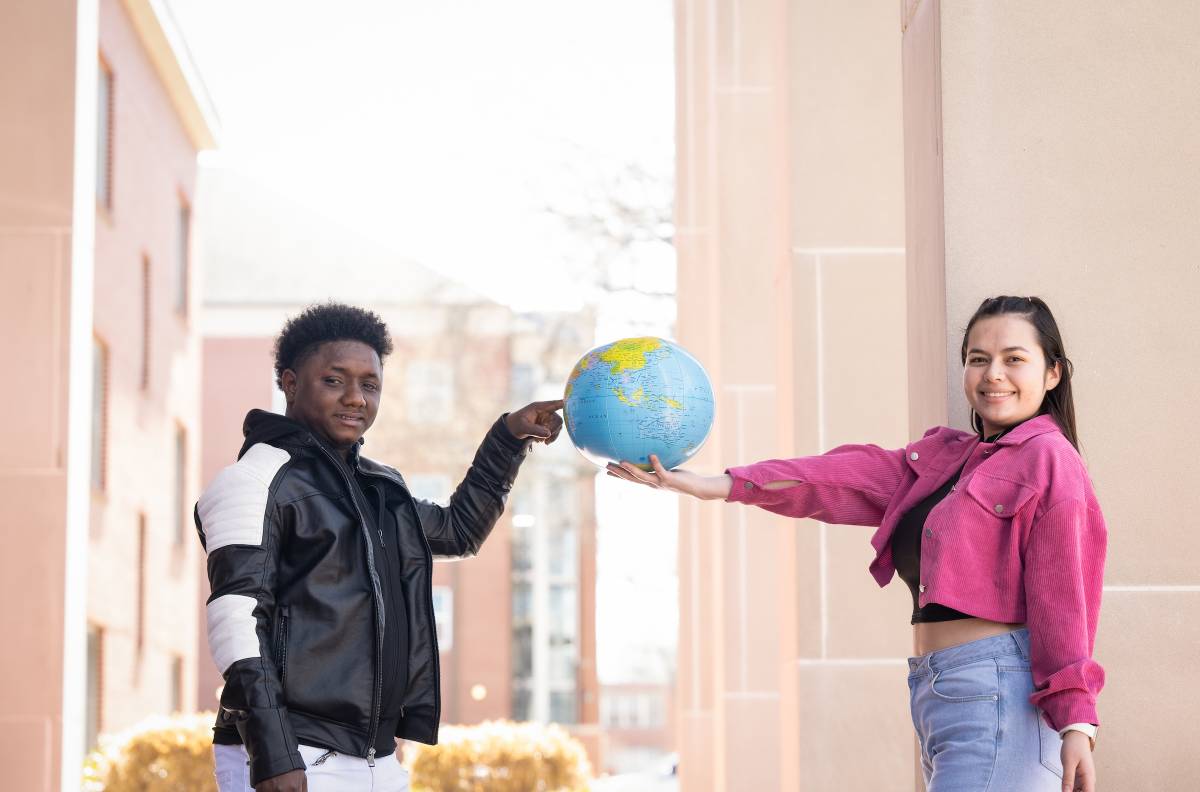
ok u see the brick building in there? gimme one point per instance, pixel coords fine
(99, 157)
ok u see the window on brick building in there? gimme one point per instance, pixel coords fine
(182, 513)
(146, 307)
(99, 413)
(429, 391)
(183, 240)
(104, 136)
(176, 684)
(443, 617)
(142, 562)
(95, 677)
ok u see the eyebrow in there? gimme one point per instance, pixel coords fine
(1006, 349)
(343, 370)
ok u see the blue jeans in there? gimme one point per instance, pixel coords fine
(977, 730)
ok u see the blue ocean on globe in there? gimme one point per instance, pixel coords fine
(636, 397)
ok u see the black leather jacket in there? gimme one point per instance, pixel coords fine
(296, 618)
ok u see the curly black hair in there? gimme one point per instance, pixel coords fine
(330, 321)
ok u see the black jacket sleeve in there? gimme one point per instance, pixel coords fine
(241, 528)
(458, 530)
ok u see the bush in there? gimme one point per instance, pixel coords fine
(160, 754)
(500, 756)
(175, 755)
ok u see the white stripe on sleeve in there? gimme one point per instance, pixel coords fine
(232, 633)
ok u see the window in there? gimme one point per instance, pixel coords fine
(146, 304)
(176, 684)
(633, 710)
(522, 383)
(182, 513)
(443, 616)
(99, 413)
(432, 487)
(523, 653)
(429, 391)
(140, 625)
(564, 613)
(183, 236)
(104, 136)
(562, 706)
(522, 701)
(95, 676)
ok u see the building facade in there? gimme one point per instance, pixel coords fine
(854, 178)
(95, 238)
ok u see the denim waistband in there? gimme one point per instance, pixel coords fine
(1007, 645)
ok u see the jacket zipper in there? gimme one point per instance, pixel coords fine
(377, 597)
(437, 660)
(281, 647)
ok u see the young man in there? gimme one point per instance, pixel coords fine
(320, 617)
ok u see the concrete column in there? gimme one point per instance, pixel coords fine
(792, 294)
(1063, 140)
(47, 80)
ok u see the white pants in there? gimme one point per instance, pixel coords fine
(337, 773)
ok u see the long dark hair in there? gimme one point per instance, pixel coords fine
(1059, 402)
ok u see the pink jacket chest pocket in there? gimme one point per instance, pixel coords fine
(984, 506)
(996, 497)
(991, 504)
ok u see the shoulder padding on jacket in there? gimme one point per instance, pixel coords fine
(233, 507)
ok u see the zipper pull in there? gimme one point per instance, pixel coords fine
(320, 760)
(381, 542)
(371, 758)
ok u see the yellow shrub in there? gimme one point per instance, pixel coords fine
(160, 754)
(500, 756)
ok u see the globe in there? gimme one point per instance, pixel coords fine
(636, 397)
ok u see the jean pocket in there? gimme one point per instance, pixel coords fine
(970, 682)
(1050, 747)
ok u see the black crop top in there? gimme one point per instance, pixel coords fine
(906, 555)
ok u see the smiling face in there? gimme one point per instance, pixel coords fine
(1005, 375)
(335, 392)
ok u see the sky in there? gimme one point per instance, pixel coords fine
(443, 130)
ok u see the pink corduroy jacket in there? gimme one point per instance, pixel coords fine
(1019, 539)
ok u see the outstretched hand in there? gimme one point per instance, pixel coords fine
(539, 420)
(682, 481)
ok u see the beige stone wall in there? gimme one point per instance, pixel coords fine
(836, 228)
(1071, 149)
(790, 212)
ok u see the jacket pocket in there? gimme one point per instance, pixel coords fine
(281, 639)
(999, 497)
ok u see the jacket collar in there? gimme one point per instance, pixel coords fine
(1038, 425)
(261, 426)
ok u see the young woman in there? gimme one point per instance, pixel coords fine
(1000, 539)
